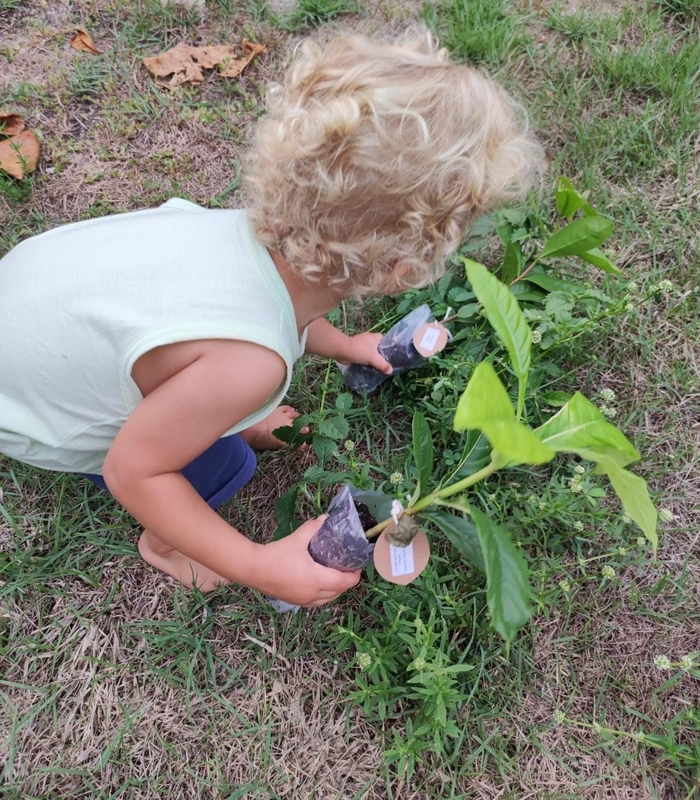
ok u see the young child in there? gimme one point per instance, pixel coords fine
(149, 350)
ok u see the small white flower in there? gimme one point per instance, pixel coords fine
(579, 470)
(665, 286)
(532, 500)
(662, 662)
(641, 541)
(564, 585)
(349, 445)
(542, 505)
(364, 661)
(559, 717)
(575, 484)
(578, 526)
(629, 307)
(632, 286)
(597, 729)
(608, 572)
(492, 498)
(396, 478)
(606, 395)
(622, 551)
(418, 664)
(665, 515)
(608, 412)
(536, 337)
(686, 663)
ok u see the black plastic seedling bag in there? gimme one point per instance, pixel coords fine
(340, 542)
(397, 348)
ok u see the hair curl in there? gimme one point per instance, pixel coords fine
(377, 155)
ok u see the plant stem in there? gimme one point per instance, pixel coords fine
(438, 494)
(524, 273)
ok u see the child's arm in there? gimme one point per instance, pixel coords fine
(322, 339)
(173, 425)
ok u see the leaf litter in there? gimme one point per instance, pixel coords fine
(19, 153)
(83, 41)
(186, 63)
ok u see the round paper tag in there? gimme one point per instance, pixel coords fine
(430, 338)
(401, 564)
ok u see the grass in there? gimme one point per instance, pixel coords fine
(115, 683)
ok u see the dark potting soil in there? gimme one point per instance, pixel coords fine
(366, 518)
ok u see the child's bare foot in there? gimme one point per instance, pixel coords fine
(159, 555)
(259, 436)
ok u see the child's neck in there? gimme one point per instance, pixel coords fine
(310, 300)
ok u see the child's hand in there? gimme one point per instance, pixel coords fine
(289, 573)
(364, 351)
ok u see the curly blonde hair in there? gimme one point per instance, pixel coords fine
(375, 156)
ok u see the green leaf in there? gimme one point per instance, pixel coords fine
(508, 592)
(462, 534)
(506, 318)
(556, 399)
(569, 201)
(579, 427)
(422, 453)
(484, 400)
(290, 434)
(578, 237)
(334, 428)
(323, 447)
(476, 454)
(343, 401)
(599, 259)
(553, 284)
(485, 406)
(634, 496)
(284, 513)
(513, 261)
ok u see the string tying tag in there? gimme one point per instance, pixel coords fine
(396, 511)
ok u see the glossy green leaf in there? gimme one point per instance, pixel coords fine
(461, 532)
(599, 259)
(513, 261)
(508, 592)
(634, 496)
(569, 201)
(506, 318)
(553, 284)
(284, 513)
(578, 237)
(476, 453)
(579, 426)
(422, 452)
(484, 400)
(485, 406)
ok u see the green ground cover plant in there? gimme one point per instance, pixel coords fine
(113, 683)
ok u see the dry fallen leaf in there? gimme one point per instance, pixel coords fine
(185, 63)
(83, 41)
(250, 50)
(19, 154)
(10, 124)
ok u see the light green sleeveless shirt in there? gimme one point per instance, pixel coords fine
(81, 303)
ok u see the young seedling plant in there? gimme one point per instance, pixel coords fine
(486, 408)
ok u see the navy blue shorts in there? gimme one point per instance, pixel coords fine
(218, 473)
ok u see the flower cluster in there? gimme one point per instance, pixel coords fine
(396, 478)
(578, 526)
(575, 484)
(608, 572)
(364, 661)
(536, 337)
